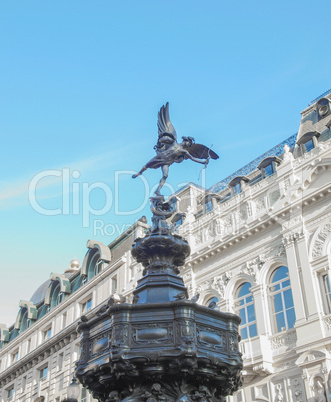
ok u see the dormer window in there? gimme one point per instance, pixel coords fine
(308, 141)
(322, 108)
(237, 185)
(209, 206)
(268, 166)
(268, 170)
(177, 220)
(237, 188)
(309, 145)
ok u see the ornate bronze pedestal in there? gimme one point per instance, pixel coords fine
(162, 347)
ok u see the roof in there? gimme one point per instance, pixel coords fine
(40, 293)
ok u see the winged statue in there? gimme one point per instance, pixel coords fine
(168, 150)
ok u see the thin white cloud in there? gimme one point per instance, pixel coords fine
(12, 194)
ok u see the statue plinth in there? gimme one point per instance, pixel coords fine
(162, 347)
(160, 254)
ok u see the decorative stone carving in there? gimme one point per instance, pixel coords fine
(297, 390)
(219, 283)
(319, 242)
(187, 276)
(287, 184)
(279, 251)
(289, 240)
(205, 285)
(319, 389)
(262, 370)
(292, 222)
(287, 339)
(327, 323)
(279, 394)
(287, 156)
(252, 267)
(259, 204)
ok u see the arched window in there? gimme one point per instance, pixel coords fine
(94, 267)
(212, 300)
(25, 322)
(57, 295)
(245, 307)
(281, 293)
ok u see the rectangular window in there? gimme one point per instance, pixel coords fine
(60, 362)
(28, 346)
(86, 306)
(23, 383)
(43, 373)
(178, 222)
(309, 145)
(114, 284)
(10, 393)
(237, 189)
(131, 273)
(209, 206)
(268, 170)
(327, 292)
(14, 357)
(47, 334)
(64, 320)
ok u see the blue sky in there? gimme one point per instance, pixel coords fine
(82, 81)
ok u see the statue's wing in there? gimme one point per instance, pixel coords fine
(164, 124)
(202, 152)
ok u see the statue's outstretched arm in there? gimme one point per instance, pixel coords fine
(194, 159)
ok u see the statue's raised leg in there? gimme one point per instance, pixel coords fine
(140, 172)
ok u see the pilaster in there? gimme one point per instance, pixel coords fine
(307, 276)
(261, 309)
(299, 306)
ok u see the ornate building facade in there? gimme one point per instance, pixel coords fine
(260, 247)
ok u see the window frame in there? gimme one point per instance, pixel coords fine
(42, 375)
(310, 136)
(237, 189)
(47, 333)
(273, 170)
(324, 281)
(209, 206)
(15, 356)
(114, 284)
(306, 149)
(10, 393)
(244, 306)
(86, 304)
(273, 293)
